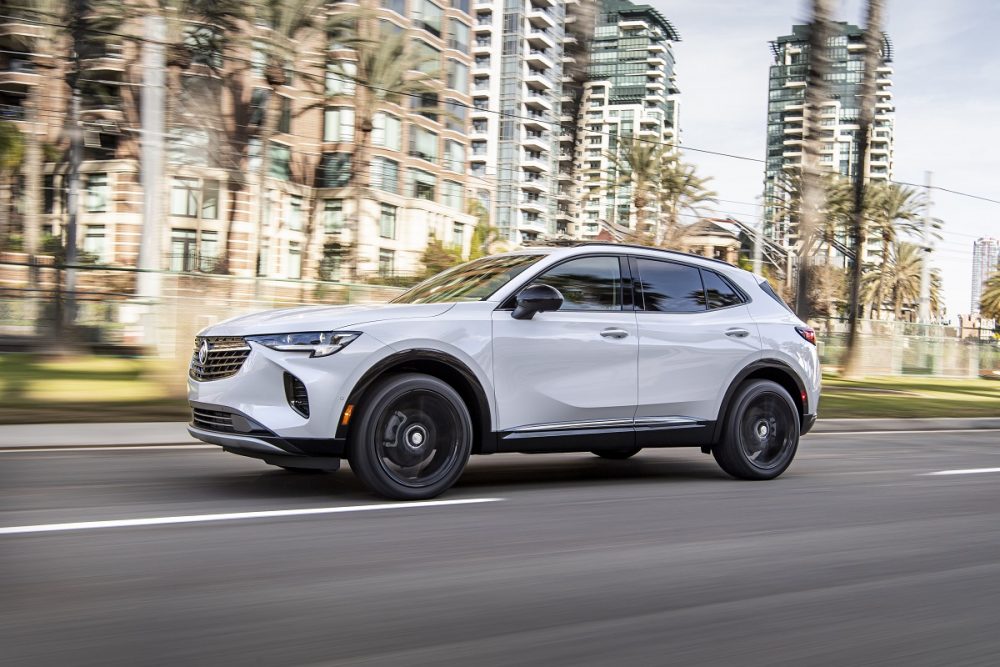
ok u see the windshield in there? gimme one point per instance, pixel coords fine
(473, 281)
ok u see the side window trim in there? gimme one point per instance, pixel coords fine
(511, 301)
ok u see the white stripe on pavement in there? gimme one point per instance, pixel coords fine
(110, 448)
(968, 471)
(270, 514)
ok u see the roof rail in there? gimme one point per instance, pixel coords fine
(646, 247)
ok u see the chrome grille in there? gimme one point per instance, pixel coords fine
(212, 420)
(225, 356)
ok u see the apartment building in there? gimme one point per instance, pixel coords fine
(838, 118)
(631, 92)
(262, 163)
(985, 262)
(516, 84)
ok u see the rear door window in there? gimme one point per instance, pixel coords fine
(718, 292)
(669, 287)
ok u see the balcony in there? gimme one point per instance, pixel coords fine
(541, 18)
(535, 120)
(540, 58)
(536, 80)
(481, 65)
(534, 182)
(536, 100)
(481, 44)
(535, 162)
(11, 112)
(17, 70)
(541, 38)
(534, 204)
(479, 128)
(535, 139)
(484, 24)
(103, 57)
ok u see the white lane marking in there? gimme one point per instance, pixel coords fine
(270, 514)
(967, 471)
(930, 430)
(91, 448)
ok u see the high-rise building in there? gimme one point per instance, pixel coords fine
(291, 211)
(516, 81)
(838, 118)
(631, 92)
(985, 262)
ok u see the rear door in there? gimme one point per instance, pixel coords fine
(695, 333)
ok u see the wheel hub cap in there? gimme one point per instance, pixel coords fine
(415, 436)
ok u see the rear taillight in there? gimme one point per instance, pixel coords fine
(807, 333)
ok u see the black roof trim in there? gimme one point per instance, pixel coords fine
(646, 247)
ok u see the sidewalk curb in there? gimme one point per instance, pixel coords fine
(148, 434)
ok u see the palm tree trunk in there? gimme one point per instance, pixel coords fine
(883, 271)
(812, 184)
(873, 42)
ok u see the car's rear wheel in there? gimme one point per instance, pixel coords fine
(617, 454)
(761, 432)
(412, 438)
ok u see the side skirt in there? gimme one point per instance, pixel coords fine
(587, 440)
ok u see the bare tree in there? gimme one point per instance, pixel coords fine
(873, 54)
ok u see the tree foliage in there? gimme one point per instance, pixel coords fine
(989, 302)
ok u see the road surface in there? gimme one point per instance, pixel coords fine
(189, 556)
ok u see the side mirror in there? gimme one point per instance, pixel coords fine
(536, 298)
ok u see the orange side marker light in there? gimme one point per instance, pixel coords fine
(348, 411)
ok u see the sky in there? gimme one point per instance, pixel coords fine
(946, 91)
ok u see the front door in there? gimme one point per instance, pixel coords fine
(574, 368)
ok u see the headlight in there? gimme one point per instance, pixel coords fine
(317, 343)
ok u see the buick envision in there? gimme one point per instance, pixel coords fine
(602, 348)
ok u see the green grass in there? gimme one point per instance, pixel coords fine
(35, 389)
(909, 397)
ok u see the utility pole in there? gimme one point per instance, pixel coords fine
(924, 311)
(148, 282)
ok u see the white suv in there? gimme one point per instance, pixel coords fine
(599, 347)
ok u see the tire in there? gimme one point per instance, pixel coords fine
(412, 438)
(617, 454)
(761, 432)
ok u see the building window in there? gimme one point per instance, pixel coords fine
(458, 235)
(398, 6)
(426, 104)
(454, 155)
(209, 251)
(427, 15)
(459, 35)
(184, 197)
(461, 5)
(183, 249)
(427, 58)
(204, 44)
(285, 117)
(451, 195)
(294, 260)
(385, 174)
(341, 78)
(387, 222)
(386, 263)
(295, 212)
(333, 215)
(458, 76)
(98, 193)
(94, 242)
(258, 59)
(258, 106)
(423, 144)
(334, 170)
(281, 162)
(49, 194)
(338, 124)
(422, 184)
(387, 131)
(210, 199)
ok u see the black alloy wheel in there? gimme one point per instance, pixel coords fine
(412, 438)
(761, 432)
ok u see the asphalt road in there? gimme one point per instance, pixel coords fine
(856, 556)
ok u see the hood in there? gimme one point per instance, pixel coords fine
(321, 318)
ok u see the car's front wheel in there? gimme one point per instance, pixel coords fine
(761, 432)
(412, 438)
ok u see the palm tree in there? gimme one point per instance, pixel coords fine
(902, 286)
(11, 156)
(639, 164)
(680, 189)
(989, 302)
(894, 209)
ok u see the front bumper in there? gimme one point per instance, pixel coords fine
(273, 450)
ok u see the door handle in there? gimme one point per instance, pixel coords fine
(614, 333)
(737, 333)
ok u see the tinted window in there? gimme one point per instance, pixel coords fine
(719, 293)
(473, 281)
(670, 288)
(588, 283)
